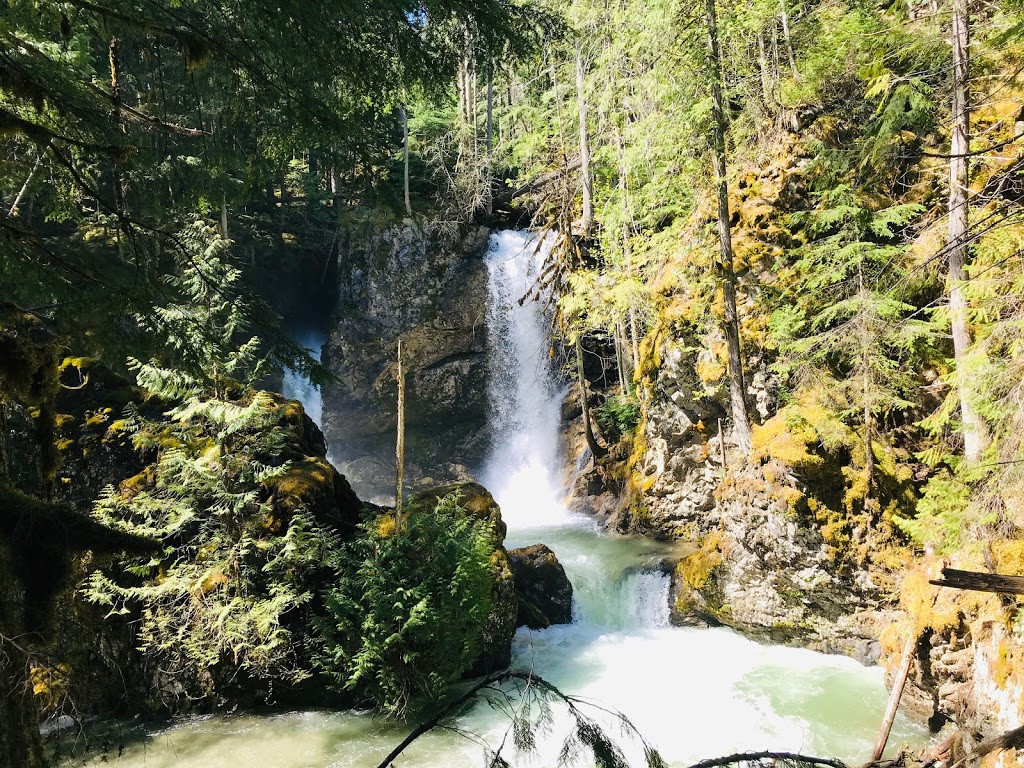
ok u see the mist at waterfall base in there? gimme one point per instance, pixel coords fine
(693, 693)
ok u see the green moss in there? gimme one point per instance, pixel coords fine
(696, 570)
(302, 484)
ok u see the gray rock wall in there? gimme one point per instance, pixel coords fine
(426, 284)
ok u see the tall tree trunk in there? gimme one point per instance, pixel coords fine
(489, 131)
(405, 156)
(224, 214)
(737, 388)
(975, 432)
(634, 338)
(788, 40)
(400, 443)
(865, 361)
(596, 448)
(627, 227)
(587, 220)
(24, 187)
(621, 360)
(762, 61)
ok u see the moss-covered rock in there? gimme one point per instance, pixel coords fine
(476, 501)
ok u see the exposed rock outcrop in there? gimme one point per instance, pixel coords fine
(542, 588)
(969, 666)
(767, 571)
(426, 285)
(769, 558)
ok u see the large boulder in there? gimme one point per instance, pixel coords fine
(476, 501)
(543, 590)
(426, 285)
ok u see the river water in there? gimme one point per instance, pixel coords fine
(693, 693)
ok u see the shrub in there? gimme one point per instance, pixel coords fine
(618, 415)
(406, 619)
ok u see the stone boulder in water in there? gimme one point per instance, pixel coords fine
(543, 589)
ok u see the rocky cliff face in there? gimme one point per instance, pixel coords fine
(768, 557)
(426, 285)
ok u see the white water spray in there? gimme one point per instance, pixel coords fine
(295, 386)
(523, 389)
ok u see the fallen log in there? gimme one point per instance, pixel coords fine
(980, 582)
(507, 196)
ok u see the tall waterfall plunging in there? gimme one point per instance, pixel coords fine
(523, 389)
(694, 693)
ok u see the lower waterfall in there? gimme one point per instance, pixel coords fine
(693, 693)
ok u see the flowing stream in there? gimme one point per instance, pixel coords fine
(693, 693)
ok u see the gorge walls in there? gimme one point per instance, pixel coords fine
(426, 284)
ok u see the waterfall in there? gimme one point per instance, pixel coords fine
(296, 386)
(524, 391)
(696, 693)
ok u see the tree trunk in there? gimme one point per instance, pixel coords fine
(596, 448)
(587, 219)
(762, 61)
(898, 684)
(788, 40)
(975, 432)
(400, 443)
(633, 337)
(489, 131)
(24, 187)
(224, 215)
(869, 426)
(865, 361)
(405, 155)
(627, 229)
(737, 388)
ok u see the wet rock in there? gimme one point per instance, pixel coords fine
(425, 284)
(543, 590)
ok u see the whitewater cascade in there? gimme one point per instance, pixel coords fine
(694, 693)
(524, 392)
(295, 386)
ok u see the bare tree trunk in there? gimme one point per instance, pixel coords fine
(788, 40)
(489, 125)
(596, 448)
(587, 220)
(634, 337)
(898, 684)
(624, 359)
(737, 388)
(405, 155)
(627, 229)
(869, 417)
(869, 424)
(762, 61)
(224, 215)
(400, 443)
(975, 432)
(489, 130)
(24, 187)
